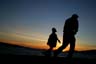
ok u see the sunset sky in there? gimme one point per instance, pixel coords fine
(29, 22)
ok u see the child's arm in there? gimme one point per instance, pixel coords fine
(59, 41)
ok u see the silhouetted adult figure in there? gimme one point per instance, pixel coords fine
(52, 41)
(69, 32)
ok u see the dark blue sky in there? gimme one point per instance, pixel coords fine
(35, 18)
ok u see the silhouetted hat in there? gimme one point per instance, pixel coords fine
(75, 15)
(54, 30)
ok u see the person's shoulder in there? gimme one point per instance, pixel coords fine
(55, 34)
(68, 19)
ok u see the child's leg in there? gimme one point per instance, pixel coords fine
(48, 52)
(50, 49)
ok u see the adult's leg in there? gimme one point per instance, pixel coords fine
(72, 47)
(64, 45)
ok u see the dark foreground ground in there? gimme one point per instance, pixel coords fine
(43, 60)
(18, 55)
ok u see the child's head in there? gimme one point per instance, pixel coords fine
(54, 30)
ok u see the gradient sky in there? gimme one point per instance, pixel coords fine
(29, 22)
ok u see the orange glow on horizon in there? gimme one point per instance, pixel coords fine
(24, 44)
(42, 45)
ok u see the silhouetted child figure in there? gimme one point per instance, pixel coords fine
(52, 41)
